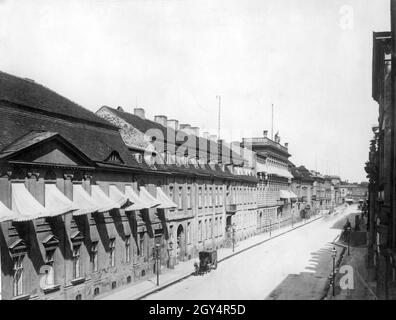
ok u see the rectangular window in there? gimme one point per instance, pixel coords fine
(180, 197)
(189, 197)
(189, 233)
(171, 192)
(141, 244)
(18, 276)
(216, 232)
(210, 229)
(210, 197)
(205, 197)
(200, 197)
(49, 262)
(128, 249)
(94, 256)
(206, 229)
(200, 230)
(221, 227)
(76, 262)
(112, 252)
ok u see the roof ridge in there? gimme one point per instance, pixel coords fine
(61, 100)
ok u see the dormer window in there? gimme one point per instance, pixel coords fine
(138, 157)
(114, 157)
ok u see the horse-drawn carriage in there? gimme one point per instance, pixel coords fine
(207, 262)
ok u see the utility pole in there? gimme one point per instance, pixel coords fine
(218, 127)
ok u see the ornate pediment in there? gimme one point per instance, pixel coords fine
(42, 147)
(77, 238)
(19, 247)
(50, 242)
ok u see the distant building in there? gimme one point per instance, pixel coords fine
(355, 192)
(275, 199)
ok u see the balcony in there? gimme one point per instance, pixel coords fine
(263, 141)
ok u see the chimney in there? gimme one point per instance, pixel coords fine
(185, 127)
(139, 112)
(174, 124)
(162, 120)
(265, 133)
(205, 135)
(213, 137)
(287, 145)
(119, 108)
(195, 131)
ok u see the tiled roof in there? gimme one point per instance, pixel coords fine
(301, 173)
(143, 125)
(33, 95)
(96, 139)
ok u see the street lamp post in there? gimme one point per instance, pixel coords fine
(349, 238)
(157, 261)
(292, 219)
(333, 254)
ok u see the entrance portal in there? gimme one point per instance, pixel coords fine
(181, 243)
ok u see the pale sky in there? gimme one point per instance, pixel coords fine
(310, 58)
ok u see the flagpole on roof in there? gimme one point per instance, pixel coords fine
(218, 127)
(272, 123)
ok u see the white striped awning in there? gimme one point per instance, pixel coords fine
(147, 198)
(133, 197)
(56, 202)
(83, 201)
(6, 214)
(292, 195)
(117, 196)
(284, 194)
(25, 205)
(166, 202)
(103, 202)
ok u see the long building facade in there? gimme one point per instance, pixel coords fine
(83, 210)
(89, 201)
(381, 165)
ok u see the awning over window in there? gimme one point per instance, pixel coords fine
(292, 195)
(147, 198)
(284, 194)
(6, 214)
(166, 202)
(56, 202)
(117, 196)
(103, 202)
(25, 205)
(133, 197)
(83, 201)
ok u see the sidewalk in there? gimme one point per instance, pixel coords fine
(185, 269)
(357, 260)
(362, 288)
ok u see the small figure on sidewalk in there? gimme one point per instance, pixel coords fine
(345, 229)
